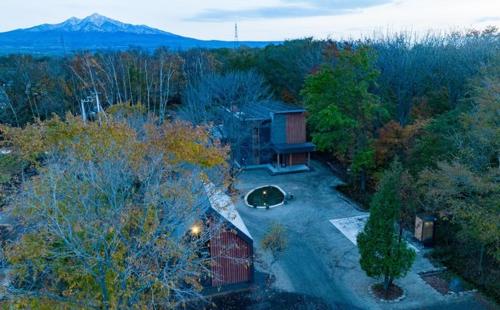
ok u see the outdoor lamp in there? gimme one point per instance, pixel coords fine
(196, 229)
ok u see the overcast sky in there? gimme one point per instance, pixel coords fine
(264, 19)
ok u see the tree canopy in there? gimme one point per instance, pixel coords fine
(103, 224)
(343, 113)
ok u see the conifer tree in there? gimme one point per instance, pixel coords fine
(384, 253)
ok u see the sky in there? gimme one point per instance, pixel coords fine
(265, 19)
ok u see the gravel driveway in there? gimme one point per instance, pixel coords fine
(320, 261)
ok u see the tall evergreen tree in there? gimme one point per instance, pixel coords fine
(384, 253)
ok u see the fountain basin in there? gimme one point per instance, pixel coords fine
(265, 197)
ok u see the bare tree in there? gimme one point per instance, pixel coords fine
(275, 241)
(5, 102)
(221, 100)
(169, 65)
(430, 65)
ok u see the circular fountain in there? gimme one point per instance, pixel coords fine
(265, 197)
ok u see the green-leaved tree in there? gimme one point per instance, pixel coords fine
(384, 252)
(343, 112)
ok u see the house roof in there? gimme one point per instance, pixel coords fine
(224, 206)
(214, 201)
(264, 110)
(294, 147)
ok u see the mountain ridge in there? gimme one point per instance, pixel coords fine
(98, 32)
(98, 23)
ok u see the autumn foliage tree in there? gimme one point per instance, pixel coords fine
(275, 241)
(103, 223)
(396, 140)
(465, 189)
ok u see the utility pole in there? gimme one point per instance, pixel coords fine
(82, 106)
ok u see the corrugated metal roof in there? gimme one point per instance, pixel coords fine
(212, 199)
(224, 206)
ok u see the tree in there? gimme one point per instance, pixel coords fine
(216, 99)
(105, 221)
(435, 67)
(394, 140)
(285, 66)
(384, 252)
(343, 113)
(466, 188)
(275, 241)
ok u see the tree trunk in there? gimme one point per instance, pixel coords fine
(362, 180)
(481, 258)
(104, 288)
(10, 105)
(400, 236)
(387, 284)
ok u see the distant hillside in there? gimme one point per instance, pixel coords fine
(97, 32)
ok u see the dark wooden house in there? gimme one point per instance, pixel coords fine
(275, 137)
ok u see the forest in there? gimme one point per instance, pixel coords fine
(430, 102)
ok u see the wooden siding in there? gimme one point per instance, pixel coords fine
(295, 128)
(231, 259)
(299, 159)
(294, 159)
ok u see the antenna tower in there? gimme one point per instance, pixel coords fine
(236, 39)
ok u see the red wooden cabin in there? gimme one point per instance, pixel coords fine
(230, 245)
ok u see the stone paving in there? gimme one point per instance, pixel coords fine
(350, 226)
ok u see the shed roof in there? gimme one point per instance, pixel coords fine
(264, 110)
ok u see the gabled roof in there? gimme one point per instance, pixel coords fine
(222, 204)
(214, 201)
(264, 110)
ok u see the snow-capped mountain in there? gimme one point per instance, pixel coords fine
(97, 23)
(97, 32)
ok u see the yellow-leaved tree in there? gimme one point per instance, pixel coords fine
(102, 223)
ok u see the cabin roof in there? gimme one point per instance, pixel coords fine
(221, 203)
(214, 201)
